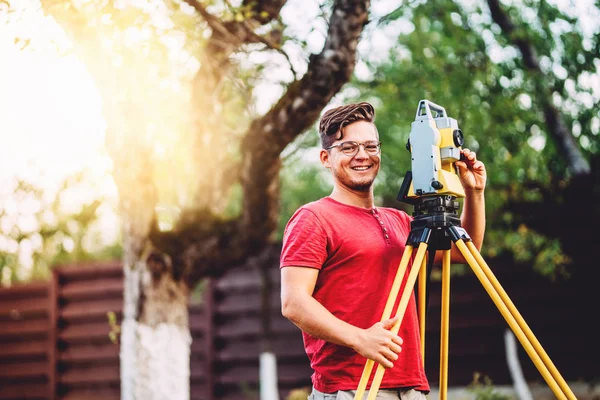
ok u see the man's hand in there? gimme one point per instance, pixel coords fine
(471, 172)
(379, 344)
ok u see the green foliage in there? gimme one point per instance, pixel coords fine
(454, 56)
(298, 394)
(197, 293)
(44, 227)
(456, 59)
(115, 328)
(484, 390)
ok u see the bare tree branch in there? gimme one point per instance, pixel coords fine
(227, 37)
(295, 112)
(265, 11)
(560, 133)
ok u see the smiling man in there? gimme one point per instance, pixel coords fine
(339, 259)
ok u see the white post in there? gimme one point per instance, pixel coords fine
(268, 377)
(514, 367)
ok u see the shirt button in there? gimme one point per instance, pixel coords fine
(381, 222)
(386, 236)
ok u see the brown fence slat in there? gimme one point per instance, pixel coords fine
(19, 309)
(102, 288)
(248, 326)
(22, 329)
(91, 271)
(23, 391)
(24, 291)
(238, 373)
(244, 302)
(90, 353)
(25, 371)
(23, 348)
(90, 374)
(106, 392)
(93, 331)
(90, 309)
(284, 346)
(198, 323)
(199, 391)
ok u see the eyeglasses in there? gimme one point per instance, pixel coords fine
(372, 147)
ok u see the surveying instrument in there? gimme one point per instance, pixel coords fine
(432, 187)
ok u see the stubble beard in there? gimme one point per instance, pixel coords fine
(363, 187)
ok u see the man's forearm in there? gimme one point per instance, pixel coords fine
(473, 217)
(473, 221)
(313, 318)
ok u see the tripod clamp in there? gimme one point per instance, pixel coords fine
(435, 219)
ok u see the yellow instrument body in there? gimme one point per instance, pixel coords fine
(435, 145)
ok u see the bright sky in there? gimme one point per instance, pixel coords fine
(50, 113)
(49, 108)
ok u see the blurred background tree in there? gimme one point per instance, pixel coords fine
(42, 228)
(195, 161)
(526, 98)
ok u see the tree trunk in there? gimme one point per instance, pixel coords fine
(155, 337)
(557, 128)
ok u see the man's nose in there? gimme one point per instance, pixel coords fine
(361, 153)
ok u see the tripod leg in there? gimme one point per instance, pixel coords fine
(408, 291)
(521, 321)
(445, 325)
(422, 306)
(387, 312)
(510, 319)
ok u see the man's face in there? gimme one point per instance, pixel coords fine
(357, 172)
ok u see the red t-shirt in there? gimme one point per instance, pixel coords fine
(358, 252)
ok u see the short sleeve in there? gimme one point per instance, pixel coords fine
(304, 241)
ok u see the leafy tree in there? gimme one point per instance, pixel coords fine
(186, 139)
(534, 123)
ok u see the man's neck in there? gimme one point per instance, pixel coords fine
(353, 198)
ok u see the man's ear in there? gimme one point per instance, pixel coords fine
(324, 156)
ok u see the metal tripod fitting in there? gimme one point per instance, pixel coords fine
(457, 233)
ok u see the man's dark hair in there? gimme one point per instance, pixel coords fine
(331, 126)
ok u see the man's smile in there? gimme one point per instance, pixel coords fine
(361, 167)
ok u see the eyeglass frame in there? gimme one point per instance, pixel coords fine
(358, 144)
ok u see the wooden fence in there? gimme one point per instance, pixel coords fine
(54, 337)
(26, 345)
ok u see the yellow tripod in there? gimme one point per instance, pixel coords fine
(435, 226)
